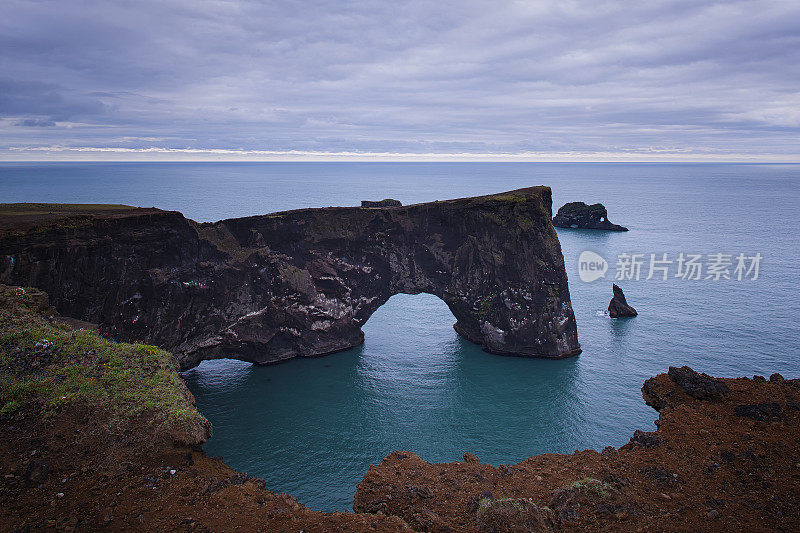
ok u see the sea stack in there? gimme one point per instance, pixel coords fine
(578, 215)
(618, 307)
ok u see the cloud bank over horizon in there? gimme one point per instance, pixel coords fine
(407, 80)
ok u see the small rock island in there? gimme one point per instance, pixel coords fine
(578, 215)
(618, 307)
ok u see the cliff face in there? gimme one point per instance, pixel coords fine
(301, 283)
(582, 216)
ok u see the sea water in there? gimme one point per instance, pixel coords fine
(312, 427)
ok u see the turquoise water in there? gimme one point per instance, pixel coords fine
(312, 427)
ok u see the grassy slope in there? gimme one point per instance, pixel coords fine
(44, 360)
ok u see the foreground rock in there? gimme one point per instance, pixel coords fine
(298, 283)
(618, 307)
(97, 451)
(578, 215)
(725, 456)
(99, 436)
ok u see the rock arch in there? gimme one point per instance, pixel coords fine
(302, 283)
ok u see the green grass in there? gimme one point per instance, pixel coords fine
(46, 362)
(593, 485)
(520, 504)
(46, 209)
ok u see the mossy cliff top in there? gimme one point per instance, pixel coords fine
(49, 364)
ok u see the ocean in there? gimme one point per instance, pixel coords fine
(312, 427)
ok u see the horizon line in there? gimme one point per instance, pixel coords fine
(42, 154)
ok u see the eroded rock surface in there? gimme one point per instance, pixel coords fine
(301, 283)
(578, 215)
(618, 306)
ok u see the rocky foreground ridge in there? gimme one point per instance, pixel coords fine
(100, 436)
(104, 436)
(725, 457)
(297, 283)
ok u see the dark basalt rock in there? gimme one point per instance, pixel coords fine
(760, 411)
(697, 385)
(579, 215)
(302, 283)
(645, 439)
(387, 202)
(618, 307)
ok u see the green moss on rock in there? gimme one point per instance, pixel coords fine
(45, 361)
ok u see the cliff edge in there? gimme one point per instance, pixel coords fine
(297, 283)
(725, 457)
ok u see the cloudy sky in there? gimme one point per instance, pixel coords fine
(532, 80)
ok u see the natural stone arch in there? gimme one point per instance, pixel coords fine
(302, 283)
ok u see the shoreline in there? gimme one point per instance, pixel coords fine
(713, 452)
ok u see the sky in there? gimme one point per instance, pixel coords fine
(562, 80)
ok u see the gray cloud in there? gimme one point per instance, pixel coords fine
(407, 76)
(35, 123)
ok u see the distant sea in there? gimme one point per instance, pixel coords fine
(312, 427)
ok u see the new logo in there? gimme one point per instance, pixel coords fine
(591, 266)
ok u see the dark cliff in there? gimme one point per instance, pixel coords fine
(301, 283)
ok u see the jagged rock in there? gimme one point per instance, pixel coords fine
(653, 394)
(618, 307)
(579, 215)
(645, 439)
(301, 283)
(387, 202)
(760, 411)
(697, 385)
(470, 458)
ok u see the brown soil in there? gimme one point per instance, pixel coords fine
(712, 465)
(725, 462)
(70, 473)
(726, 456)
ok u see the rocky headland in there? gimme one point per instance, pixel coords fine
(299, 283)
(578, 215)
(101, 436)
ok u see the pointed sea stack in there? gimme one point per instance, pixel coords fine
(619, 306)
(578, 215)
